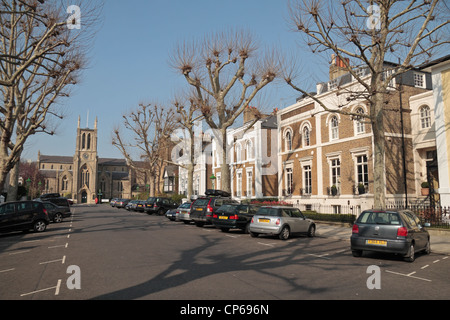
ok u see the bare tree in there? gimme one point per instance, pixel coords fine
(226, 71)
(150, 126)
(41, 57)
(188, 117)
(363, 34)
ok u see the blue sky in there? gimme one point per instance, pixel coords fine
(129, 61)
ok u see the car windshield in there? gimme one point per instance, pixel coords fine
(268, 212)
(375, 217)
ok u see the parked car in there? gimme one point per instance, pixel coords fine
(281, 221)
(389, 231)
(131, 205)
(203, 208)
(184, 212)
(234, 216)
(56, 213)
(140, 206)
(172, 214)
(121, 203)
(159, 205)
(23, 215)
(113, 201)
(59, 201)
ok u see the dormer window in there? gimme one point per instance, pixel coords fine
(419, 80)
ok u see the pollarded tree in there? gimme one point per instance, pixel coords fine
(363, 35)
(226, 71)
(42, 53)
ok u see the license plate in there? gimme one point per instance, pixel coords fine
(264, 220)
(223, 217)
(199, 209)
(377, 242)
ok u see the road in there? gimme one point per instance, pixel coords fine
(111, 254)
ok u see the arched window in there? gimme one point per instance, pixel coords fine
(425, 117)
(238, 152)
(249, 150)
(306, 137)
(83, 141)
(84, 176)
(65, 183)
(359, 124)
(334, 128)
(89, 141)
(288, 140)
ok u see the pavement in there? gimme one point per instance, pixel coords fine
(440, 239)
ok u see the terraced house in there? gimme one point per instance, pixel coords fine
(326, 158)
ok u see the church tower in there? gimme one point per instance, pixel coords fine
(85, 164)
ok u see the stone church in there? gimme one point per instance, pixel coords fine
(85, 176)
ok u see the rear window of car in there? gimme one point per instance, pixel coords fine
(268, 212)
(227, 208)
(370, 217)
(201, 202)
(185, 205)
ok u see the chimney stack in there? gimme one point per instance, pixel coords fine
(338, 66)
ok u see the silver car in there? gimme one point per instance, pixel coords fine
(281, 221)
(184, 212)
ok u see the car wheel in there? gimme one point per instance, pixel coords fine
(57, 218)
(161, 212)
(410, 255)
(428, 247)
(39, 226)
(312, 231)
(254, 234)
(285, 233)
(225, 229)
(357, 253)
(199, 224)
(247, 228)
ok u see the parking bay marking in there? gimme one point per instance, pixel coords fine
(409, 275)
(58, 285)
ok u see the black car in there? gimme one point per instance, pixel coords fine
(234, 216)
(389, 231)
(159, 205)
(203, 208)
(59, 201)
(56, 213)
(23, 215)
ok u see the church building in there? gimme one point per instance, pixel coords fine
(84, 176)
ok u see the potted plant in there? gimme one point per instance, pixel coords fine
(361, 188)
(333, 190)
(425, 188)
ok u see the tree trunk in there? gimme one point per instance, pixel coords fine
(13, 182)
(225, 167)
(379, 178)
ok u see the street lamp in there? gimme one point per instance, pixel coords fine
(213, 178)
(28, 181)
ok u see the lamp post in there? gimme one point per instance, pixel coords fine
(213, 178)
(28, 181)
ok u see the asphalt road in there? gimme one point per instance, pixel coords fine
(111, 254)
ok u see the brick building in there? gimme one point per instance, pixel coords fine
(327, 158)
